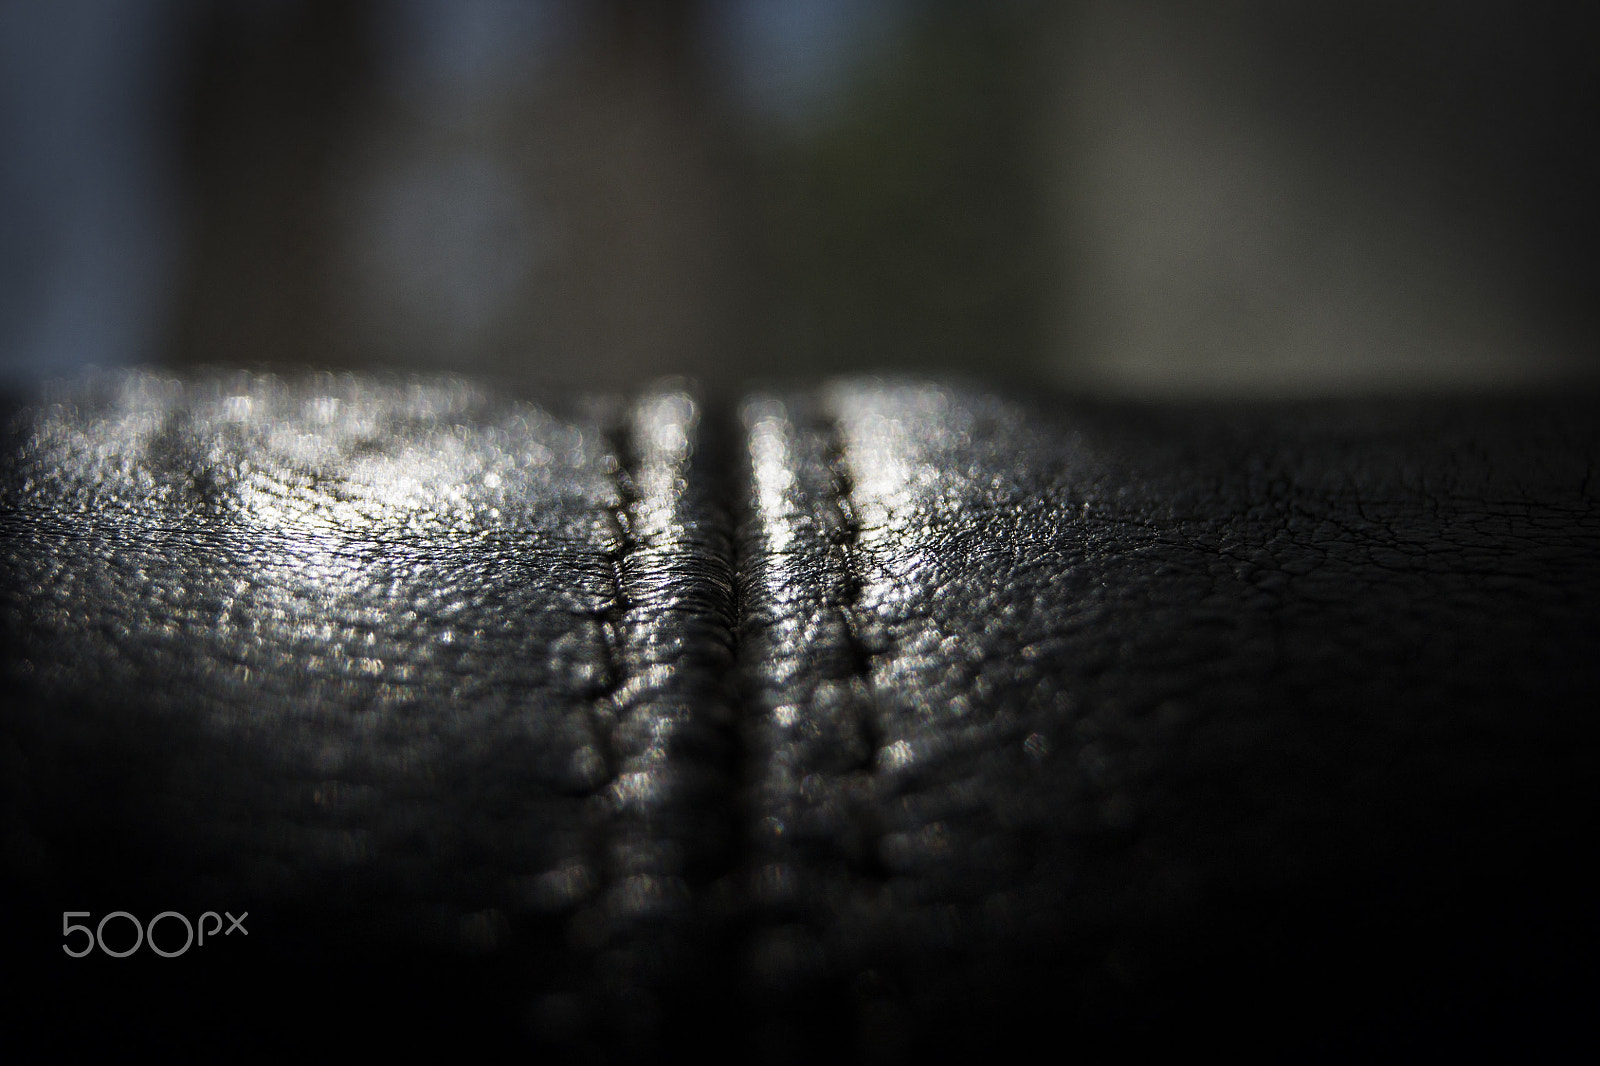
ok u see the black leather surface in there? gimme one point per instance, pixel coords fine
(888, 722)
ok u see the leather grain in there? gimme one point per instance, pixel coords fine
(432, 684)
(1268, 727)
(874, 721)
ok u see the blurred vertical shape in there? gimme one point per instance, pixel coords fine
(901, 211)
(537, 192)
(647, 268)
(441, 228)
(87, 206)
(278, 91)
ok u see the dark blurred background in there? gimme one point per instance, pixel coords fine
(1243, 197)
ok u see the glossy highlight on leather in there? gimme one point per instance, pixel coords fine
(1045, 695)
(883, 720)
(405, 652)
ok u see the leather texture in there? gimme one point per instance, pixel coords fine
(874, 721)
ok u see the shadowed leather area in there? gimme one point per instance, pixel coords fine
(875, 721)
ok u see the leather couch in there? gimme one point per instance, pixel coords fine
(871, 721)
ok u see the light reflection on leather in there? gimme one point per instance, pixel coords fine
(959, 706)
(338, 588)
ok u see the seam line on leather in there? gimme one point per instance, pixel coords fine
(843, 533)
(618, 441)
(841, 546)
(802, 612)
(665, 701)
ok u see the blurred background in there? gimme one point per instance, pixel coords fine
(1155, 198)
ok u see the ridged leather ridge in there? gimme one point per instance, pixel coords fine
(875, 721)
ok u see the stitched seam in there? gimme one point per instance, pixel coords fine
(841, 534)
(619, 443)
